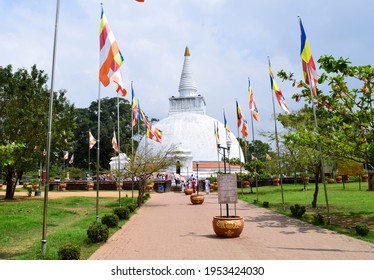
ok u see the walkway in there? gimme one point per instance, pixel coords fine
(169, 227)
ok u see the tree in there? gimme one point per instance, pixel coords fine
(87, 120)
(349, 107)
(145, 163)
(24, 103)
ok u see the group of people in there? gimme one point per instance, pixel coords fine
(192, 183)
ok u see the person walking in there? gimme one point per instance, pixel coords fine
(193, 183)
(207, 186)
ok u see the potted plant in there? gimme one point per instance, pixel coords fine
(197, 198)
(228, 226)
(90, 185)
(62, 185)
(276, 181)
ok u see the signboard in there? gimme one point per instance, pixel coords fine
(227, 188)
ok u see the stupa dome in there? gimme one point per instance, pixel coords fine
(190, 130)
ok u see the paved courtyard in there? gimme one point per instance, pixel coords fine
(169, 227)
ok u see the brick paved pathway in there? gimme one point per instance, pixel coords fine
(169, 227)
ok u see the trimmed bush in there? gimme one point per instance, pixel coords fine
(123, 213)
(97, 232)
(111, 220)
(362, 229)
(146, 196)
(131, 207)
(69, 252)
(297, 210)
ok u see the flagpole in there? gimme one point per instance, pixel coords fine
(49, 136)
(253, 141)
(240, 160)
(319, 148)
(277, 143)
(119, 155)
(132, 120)
(98, 154)
(89, 155)
(316, 128)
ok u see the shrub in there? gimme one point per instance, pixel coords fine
(146, 196)
(97, 232)
(69, 252)
(297, 210)
(362, 229)
(111, 220)
(318, 219)
(131, 207)
(265, 204)
(123, 213)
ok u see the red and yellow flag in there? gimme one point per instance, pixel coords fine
(110, 56)
(309, 68)
(252, 102)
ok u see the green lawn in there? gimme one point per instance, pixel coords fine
(348, 206)
(21, 223)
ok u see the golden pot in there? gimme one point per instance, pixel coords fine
(229, 227)
(197, 199)
(188, 191)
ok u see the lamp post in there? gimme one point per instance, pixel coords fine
(219, 147)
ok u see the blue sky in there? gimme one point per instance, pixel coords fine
(229, 41)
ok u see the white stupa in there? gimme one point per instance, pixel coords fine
(189, 129)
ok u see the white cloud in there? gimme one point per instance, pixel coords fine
(229, 42)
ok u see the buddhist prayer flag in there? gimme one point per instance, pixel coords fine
(66, 155)
(245, 128)
(91, 139)
(149, 133)
(71, 159)
(139, 0)
(110, 56)
(114, 142)
(134, 107)
(252, 102)
(216, 133)
(309, 68)
(277, 91)
(158, 134)
(239, 114)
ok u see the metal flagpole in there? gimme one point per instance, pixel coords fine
(98, 155)
(277, 144)
(253, 141)
(240, 160)
(89, 154)
(119, 155)
(319, 147)
(49, 136)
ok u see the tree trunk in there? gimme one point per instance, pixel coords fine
(141, 191)
(315, 194)
(10, 186)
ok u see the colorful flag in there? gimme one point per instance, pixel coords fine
(114, 142)
(245, 128)
(66, 155)
(216, 133)
(309, 68)
(277, 91)
(110, 56)
(149, 133)
(134, 107)
(139, 0)
(144, 119)
(226, 125)
(158, 134)
(252, 102)
(71, 159)
(91, 140)
(239, 114)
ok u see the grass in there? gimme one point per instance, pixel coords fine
(21, 225)
(348, 206)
